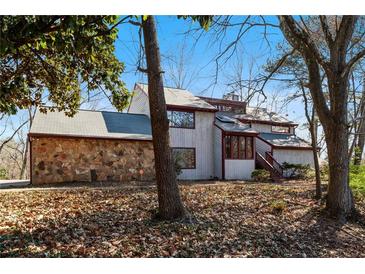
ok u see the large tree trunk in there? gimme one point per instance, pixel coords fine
(339, 197)
(170, 204)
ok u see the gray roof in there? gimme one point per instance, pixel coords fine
(229, 124)
(289, 140)
(181, 97)
(97, 124)
(261, 114)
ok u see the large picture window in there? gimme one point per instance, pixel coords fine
(238, 147)
(280, 129)
(185, 157)
(181, 119)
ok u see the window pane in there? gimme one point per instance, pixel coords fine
(234, 147)
(242, 143)
(249, 154)
(181, 119)
(185, 157)
(227, 145)
(280, 129)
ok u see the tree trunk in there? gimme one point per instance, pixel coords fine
(24, 160)
(340, 202)
(313, 132)
(360, 137)
(170, 204)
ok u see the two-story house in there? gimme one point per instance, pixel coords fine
(210, 138)
(225, 138)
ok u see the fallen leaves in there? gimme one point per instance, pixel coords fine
(232, 220)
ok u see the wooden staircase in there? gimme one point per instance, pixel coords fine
(270, 164)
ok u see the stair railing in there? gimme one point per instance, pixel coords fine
(276, 166)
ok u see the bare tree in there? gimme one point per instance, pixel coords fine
(238, 82)
(313, 129)
(170, 204)
(333, 115)
(179, 70)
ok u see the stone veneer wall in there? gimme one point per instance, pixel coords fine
(57, 160)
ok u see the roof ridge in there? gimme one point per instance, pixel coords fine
(140, 83)
(90, 110)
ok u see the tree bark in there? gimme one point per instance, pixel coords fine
(360, 137)
(339, 196)
(170, 204)
(314, 132)
(24, 160)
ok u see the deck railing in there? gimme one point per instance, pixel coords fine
(277, 167)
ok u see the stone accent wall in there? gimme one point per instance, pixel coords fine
(57, 160)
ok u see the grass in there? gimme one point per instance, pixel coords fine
(357, 180)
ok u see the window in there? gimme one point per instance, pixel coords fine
(185, 157)
(238, 147)
(181, 119)
(280, 129)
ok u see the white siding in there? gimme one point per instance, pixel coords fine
(267, 128)
(201, 138)
(139, 103)
(261, 127)
(294, 156)
(262, 147)
(239, 169)
(217, 152)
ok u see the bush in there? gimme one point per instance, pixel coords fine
(296, 171)
(261, 175)
(3, 174)
(357, 179)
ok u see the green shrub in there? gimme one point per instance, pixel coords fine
(261, 175)
(297, 171)
(357, 179)
(3, 174)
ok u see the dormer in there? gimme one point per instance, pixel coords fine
(225, 104)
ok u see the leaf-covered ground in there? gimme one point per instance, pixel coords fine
(232, 220)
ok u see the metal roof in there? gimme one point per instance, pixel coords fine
(290, 140)
(260, 114)
(97, 124)
(228, 124)
(180, 97)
